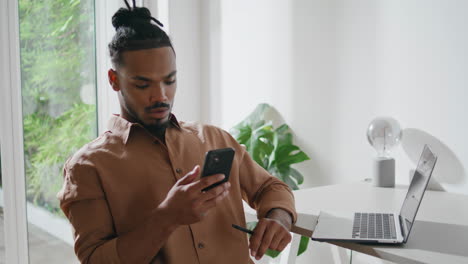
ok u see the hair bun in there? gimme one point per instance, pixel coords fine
(127, 18)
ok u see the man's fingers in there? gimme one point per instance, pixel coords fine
(209, 199)
(190, 177)
(284, 242)
(210, 203)
(277, 238)
(280, 240)
(208, 181)
(256, 238)
(270, 232)
(215, 192)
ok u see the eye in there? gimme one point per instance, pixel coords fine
(142, 86)
(169, 82)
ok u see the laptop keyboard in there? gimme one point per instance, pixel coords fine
(374, 226)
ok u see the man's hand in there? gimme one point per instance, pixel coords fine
(271, 232)
(186, 203)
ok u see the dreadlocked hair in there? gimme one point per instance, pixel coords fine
(135, 31)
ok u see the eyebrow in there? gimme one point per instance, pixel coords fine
(146, 79)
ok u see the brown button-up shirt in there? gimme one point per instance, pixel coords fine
(112, 184)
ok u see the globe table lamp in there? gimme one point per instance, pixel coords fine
(384, 133)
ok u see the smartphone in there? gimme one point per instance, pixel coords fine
(218, 161)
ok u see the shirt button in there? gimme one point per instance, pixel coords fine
(178, 170)
(201, 245)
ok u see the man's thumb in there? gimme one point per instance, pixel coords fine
(191, 176)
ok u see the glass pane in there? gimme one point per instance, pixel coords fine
(57, 39)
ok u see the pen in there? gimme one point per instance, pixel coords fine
(243, 229)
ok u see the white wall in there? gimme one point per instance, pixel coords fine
(330, 67)
(285, 53)
(256, 57)
(185, 32)
(423, 62)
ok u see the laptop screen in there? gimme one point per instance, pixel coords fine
(416, 189)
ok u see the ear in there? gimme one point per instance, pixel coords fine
(113, 80)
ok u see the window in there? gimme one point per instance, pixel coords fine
(58, 85)
(50, 69)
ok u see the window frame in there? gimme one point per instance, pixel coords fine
(11, 137)
(107, 102)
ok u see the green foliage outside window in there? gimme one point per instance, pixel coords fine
(57, 53)
(48, 143)
(58, 90)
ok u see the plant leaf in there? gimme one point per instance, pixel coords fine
(284, 137)
(242, 133)
(261, 144)
(303, 245)
(256, 118)
(283, 129)
(258, 114)
(272, 253)
(284, 175)
(297, 175)
(251, 225)
(290, 154)
(292, 184)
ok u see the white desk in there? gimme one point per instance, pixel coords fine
(439, 235)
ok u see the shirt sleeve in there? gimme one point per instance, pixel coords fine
(83, 202)
(260, 189)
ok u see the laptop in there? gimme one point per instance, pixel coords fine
(379, 228)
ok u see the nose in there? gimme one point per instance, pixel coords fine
(158, 93)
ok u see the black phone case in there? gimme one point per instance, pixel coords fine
(218, 161)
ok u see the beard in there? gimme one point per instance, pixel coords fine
(157, 128)
(159, 124)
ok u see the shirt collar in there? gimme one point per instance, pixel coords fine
(122, 127)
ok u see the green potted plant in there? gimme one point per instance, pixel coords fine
(273, 149)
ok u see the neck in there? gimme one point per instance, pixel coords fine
(159, 133)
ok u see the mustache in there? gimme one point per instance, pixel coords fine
(157, 105)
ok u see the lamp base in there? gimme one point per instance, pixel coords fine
(384, 172)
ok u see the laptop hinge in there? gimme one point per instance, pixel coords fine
(402, 226)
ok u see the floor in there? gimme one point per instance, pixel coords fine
(43, 247)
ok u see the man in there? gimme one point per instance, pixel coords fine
(134, 195)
